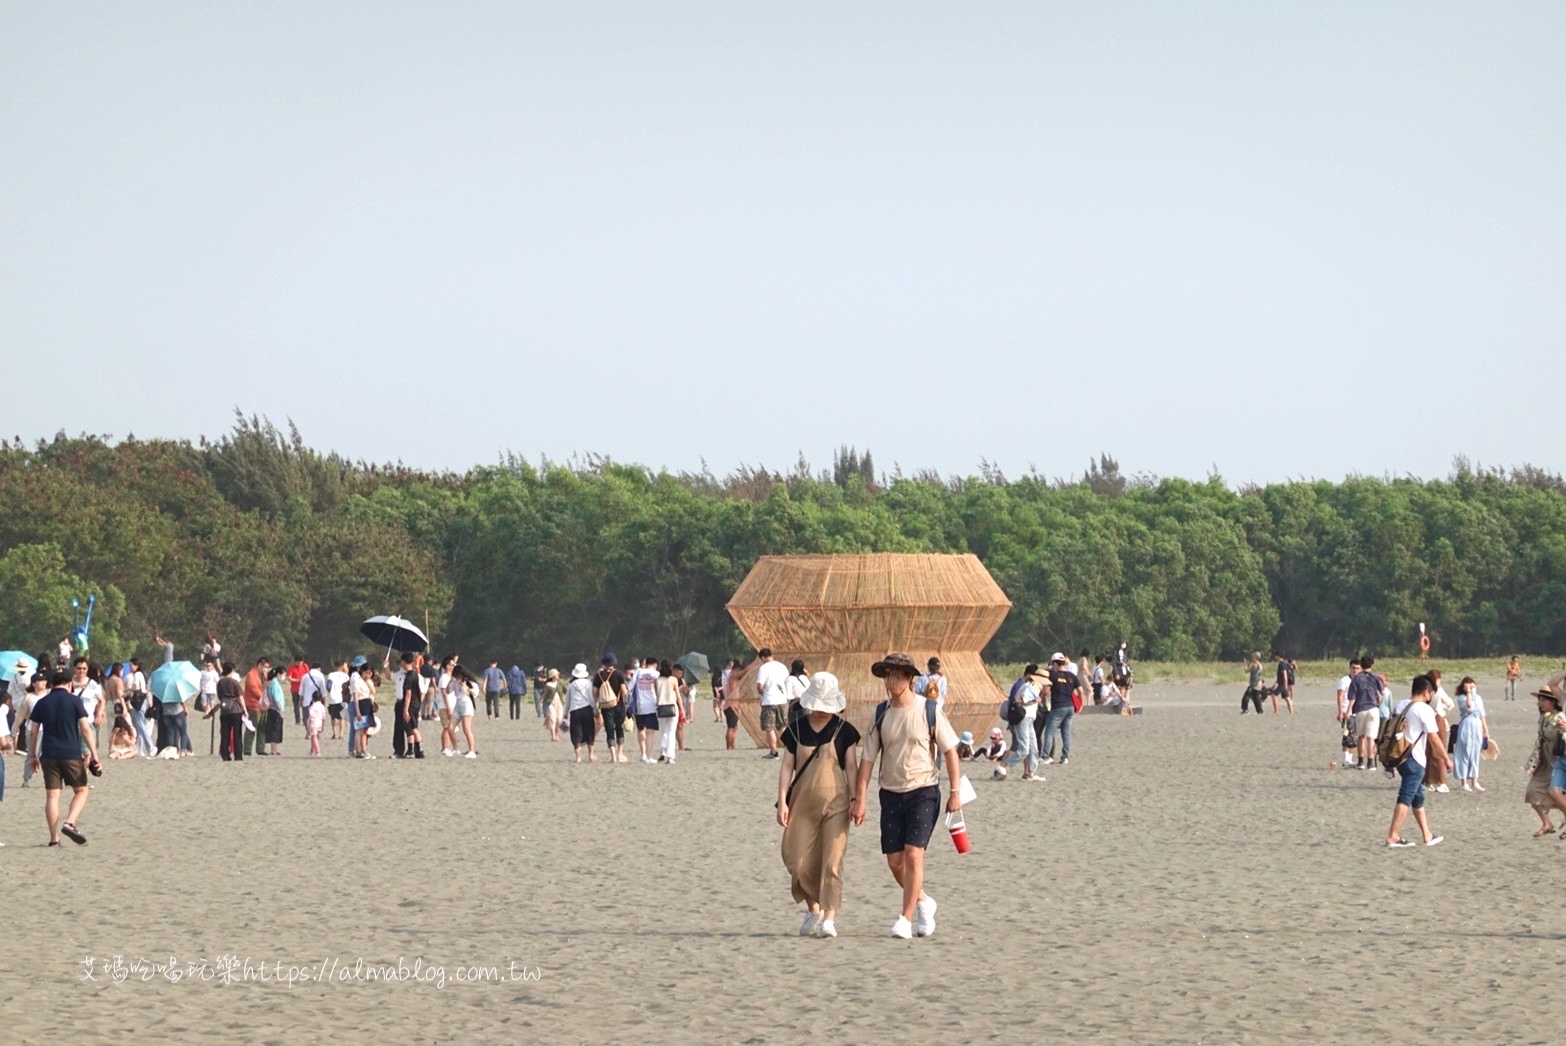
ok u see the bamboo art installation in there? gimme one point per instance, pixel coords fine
(841, 614)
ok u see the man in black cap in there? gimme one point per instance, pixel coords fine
(909, 735)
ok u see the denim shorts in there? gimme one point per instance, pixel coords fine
(908, 818)
(1558, 775)
(1409, 793)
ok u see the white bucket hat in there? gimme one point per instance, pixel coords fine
(579, 672)
(823, 695)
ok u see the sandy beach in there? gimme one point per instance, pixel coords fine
(1192, 876)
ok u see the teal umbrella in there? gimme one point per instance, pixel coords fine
(8, 662)
(175, 682)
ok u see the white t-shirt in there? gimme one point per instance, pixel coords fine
(208, 684)
(1421, 722)
(90, 693)
(312, 685)
(794, 686)
(770, 678)
(1028, 698)
(645, 687)
(137, 684)
(336, 687)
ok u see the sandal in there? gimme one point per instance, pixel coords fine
(70, 832)
(1400, 844)
(1548, 829)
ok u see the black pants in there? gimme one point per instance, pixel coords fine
(1038, 728)
(399, 734)
(298, 712)
(516, 706)
(614, 725)
(155, 711)
(584, 726)
(1251, 694)
(230, 726)
(492, 703)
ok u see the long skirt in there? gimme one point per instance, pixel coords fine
(1435, 769)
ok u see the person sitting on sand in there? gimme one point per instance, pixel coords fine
(995, 751)
(819, 762)
(965, 746)
(1114, 699)
(122, 736)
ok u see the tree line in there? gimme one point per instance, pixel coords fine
(280, 549)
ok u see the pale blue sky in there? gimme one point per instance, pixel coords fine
(1282, 240)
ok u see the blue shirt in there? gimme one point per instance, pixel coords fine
(516, 680)
(1364, 692)
(494, 680)
(59, 713)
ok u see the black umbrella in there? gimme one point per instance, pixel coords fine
(695, 666)
(394, 633)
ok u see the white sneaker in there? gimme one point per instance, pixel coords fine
(1442, 788)
(808, 927)
(1478, 787)
(1064, 760)
(826, 929)
(902, 928)
(999, 774)
(471, 755)
(1046, 761)
(1467, 787)
(448, 752)
(924, 917)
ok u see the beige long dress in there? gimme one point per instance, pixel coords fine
(1538, 793)
(817, 834)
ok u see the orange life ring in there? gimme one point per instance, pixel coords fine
(1424, 644)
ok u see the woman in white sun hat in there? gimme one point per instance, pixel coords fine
(820, 761)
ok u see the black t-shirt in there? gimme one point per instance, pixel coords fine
(60, 713)
(410, 693)
(1061, 684)
(616, 683)
(800, 732)
(230, 695)
(1283, 674)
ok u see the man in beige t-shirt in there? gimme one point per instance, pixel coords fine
(907, 735)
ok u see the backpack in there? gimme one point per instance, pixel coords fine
(929, 717)
(1012, 712)
(607, 698)
(1392, 748)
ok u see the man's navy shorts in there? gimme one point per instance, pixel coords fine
(908, 818)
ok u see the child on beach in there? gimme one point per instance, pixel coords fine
(314, 721)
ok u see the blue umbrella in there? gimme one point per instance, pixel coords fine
(394, 633)
(9, 660)
(175, 682)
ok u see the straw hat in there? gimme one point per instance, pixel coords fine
(1545, 691)
(579, 672)
(823, 695)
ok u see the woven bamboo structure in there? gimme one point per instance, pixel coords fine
(841, 614)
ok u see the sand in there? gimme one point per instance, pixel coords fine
(1192, 876)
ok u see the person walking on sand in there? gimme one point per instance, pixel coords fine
(1425, 745)
(1024, 739)
(552, 695)
(644, 698)
(1513, 673)
(463, 691)
(1549, 748)
(494, 687)
(771, 678)
(540, 679)
(667, 711)
(610, 696)
(687, 706)
(1283, 685)
(516, 690)
(59, 730)
(730, 713)
(908, 735)
(1253, 684)
(230, 710)
(820, 760)
(581, 713)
